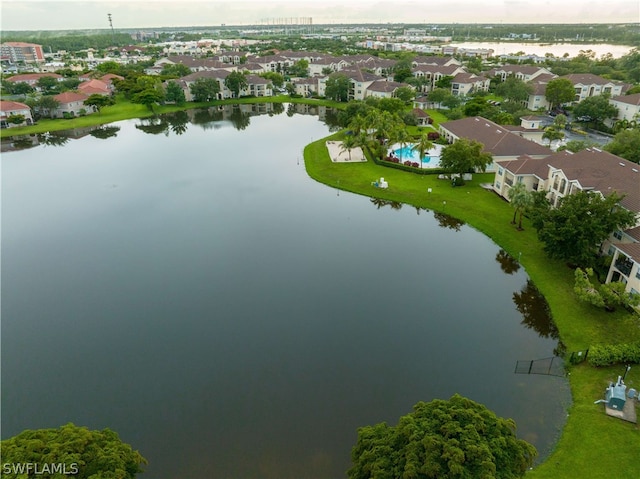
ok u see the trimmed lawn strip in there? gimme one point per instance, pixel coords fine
(125, 110)
(580, 325)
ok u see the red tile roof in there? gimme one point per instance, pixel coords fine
(70, 96)
(9, 106)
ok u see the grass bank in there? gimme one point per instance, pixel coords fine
(592, 444)
(125, 110)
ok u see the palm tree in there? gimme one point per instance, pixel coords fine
(348, 143)
(520, 198)
(423, 145)
(402, 136)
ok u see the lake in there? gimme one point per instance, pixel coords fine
(557, 49)
(183, 282)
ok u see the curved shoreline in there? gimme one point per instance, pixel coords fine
(586, 447)
(591, 444)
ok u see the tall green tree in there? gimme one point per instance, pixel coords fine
(349, 142)
(597, 108)
(47, 84)
(47, 105)
(626, 144)
(437, 95)
(236, 82)
(552, 133)
(99, 101)
(84, 454)
(148, 97)
(204, 89)
(405, 93)
(559, 91)
(609, 296)
(465, 156)
(575, 229)
(175, 70)
(423, 145)
(174, 93)
(18, 88)
(514, 89)
(337, 87)
(520, 199)
(443, 439)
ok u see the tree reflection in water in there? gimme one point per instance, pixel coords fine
(239, 119)
(379, 202)
(52, 139)
(446, 221)
(508, 263)
(154, 126)
(105, 132)
(178, 122)
(535, 311)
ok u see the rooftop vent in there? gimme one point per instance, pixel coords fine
(635, 170)
(498, 131)
(621, 164)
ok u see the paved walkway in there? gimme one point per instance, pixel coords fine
(338, 155)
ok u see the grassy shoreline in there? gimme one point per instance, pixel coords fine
(591, 443)
(125, 110)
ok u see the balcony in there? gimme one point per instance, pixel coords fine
(624, 266)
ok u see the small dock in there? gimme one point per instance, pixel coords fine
(628, 412)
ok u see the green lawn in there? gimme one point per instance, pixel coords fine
(124, 110)
(592, 445)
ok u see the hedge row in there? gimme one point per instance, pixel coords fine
(608, 354)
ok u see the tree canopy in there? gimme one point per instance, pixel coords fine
(236, 82)
(337, 87)
(626, 144)
(597, 108)
(83, 453)
(205, 89)
(574, 231)
(442, 439)
(514, 89)
(465, 156)
(559, 91)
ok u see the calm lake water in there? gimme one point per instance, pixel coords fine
(188, 286)
(557, 49)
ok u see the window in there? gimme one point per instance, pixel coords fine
(617, 235)
(498, 185)
(500, 171)
(520, 178)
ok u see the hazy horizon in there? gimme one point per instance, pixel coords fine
(141, 14)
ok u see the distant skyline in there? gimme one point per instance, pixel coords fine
(92, 14)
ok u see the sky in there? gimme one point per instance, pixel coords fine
(92, 14)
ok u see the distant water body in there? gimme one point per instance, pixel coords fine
(557, 49)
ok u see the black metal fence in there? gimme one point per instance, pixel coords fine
(553, 366)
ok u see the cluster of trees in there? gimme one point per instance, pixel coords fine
(455, 438)
(574, 230)
(54, 41)
(608, 295)
(82, 453)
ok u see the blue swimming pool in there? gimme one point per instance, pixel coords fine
(407, 153)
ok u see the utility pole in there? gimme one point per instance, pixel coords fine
(113, 37)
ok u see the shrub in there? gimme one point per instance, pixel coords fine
(609, 354)
(433, 135)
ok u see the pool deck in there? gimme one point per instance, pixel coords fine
(338, 155)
